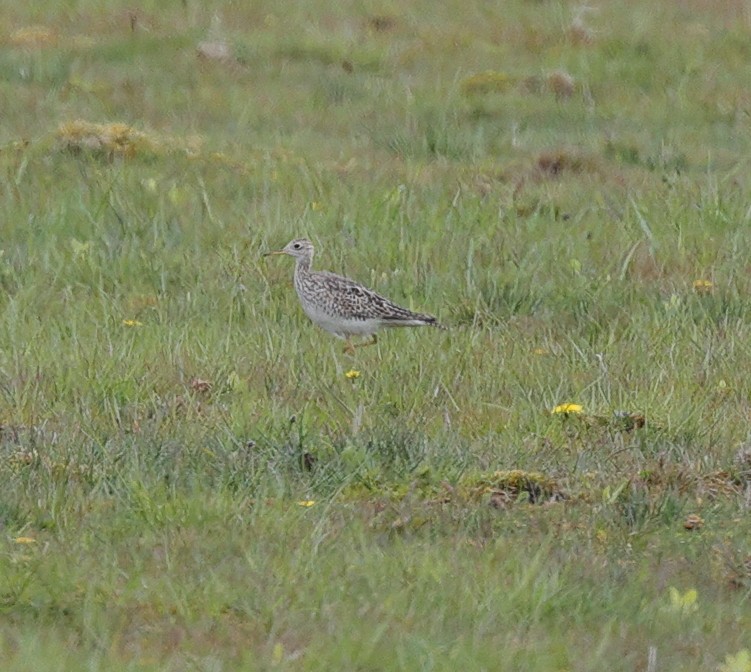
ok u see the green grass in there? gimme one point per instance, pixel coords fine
(168, 414)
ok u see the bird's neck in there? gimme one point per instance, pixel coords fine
(302, 265)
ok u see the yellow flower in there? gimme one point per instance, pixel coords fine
(568, 408)
(702, 286)
(235, 382)
(740, 662)
(683, 603)
(25, 540)
(150, 184)
(307, 503)
(176, 195)
(352, 373)
(132, 323)
(80, 249)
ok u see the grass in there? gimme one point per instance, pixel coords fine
(191, 480)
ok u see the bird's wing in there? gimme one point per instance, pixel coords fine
(362, 303)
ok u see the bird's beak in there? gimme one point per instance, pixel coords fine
(273, 253)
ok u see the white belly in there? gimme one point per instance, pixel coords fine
(341, 326)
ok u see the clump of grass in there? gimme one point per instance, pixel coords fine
(556, 162)
(483, 83)
(215, 51)
(505, 487)
(561, 83)
(662, 491)
(420, 486)
(33, 37)
(620, 420)
(117, 140)
(382, 23)
(111, 140)
(579, 32)
(743, 461)
(558, 82)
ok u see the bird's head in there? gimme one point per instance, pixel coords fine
(301, 248)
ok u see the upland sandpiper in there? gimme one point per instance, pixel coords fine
(342, 306)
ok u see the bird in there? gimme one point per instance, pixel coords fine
(342, 306)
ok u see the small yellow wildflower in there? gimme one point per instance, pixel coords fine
(702, 286)
(132, 323)
(81, 250)
(277, 653)
(568, 408)
(235, 382)
(685, 603)
(176, 195)
(307, 503)
(352, 374)
(150, 184)
(740, 662)
(25, 540)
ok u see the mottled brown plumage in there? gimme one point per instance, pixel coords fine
(342, 306)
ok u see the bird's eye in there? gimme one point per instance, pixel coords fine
(296, 246)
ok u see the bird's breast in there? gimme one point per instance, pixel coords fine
(338, 324)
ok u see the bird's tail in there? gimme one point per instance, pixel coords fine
(433, 322)
(415, 320)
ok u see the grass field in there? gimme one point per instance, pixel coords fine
(194, 477)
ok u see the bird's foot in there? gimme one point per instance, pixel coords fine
(349, 349)
(373, 341)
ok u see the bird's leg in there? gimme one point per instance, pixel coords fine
(373, 341)
(350, 347)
